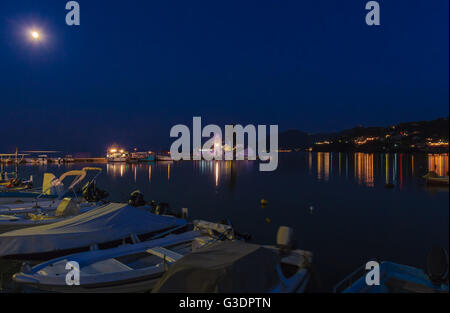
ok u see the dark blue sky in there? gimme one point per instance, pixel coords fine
(133, 69)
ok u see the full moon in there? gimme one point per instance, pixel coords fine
(35, 35)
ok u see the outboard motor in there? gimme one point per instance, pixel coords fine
(285, 239)
(437, 266)
(93, 194)
(136, 199)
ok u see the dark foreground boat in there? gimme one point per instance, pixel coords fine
(238, 267)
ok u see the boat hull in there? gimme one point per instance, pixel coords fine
(137, 285)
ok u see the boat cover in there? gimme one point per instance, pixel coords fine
(104, 224)
(225, 267)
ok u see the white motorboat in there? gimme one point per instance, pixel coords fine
(127, 268)
(206, 259)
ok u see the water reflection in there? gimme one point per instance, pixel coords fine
(438, 163)
(323, 166)
(365, 169)
(149, 173)
(114, 169)
(390, 168)
(222, 171)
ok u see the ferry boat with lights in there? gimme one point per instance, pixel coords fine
(117, 155)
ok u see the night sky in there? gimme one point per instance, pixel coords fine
(133, 69)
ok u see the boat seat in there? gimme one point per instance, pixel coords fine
(163, 253)
(106, 266)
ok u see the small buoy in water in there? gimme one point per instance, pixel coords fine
(264, 202)
(311, 209)
(268, 220)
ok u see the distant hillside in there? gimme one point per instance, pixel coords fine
(402, 136)
(436, 128)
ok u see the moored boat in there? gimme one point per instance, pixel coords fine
(137, 157)
(105, 226)
(398, 278)
(134, 267)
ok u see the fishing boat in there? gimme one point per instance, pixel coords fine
(66, 208)
(398, 278)
(104, 227)
(434, 179)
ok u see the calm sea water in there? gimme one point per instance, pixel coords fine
(336, 202)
